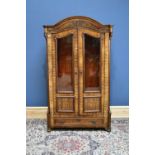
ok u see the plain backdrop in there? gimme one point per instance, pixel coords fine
(39, 13)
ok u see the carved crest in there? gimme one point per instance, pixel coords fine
(77, 22)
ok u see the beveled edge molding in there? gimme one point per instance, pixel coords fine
(41, 112)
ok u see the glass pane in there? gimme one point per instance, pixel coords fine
(92, 63)
(64, 68)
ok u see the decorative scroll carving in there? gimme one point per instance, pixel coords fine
(81, 23)
(77, 22)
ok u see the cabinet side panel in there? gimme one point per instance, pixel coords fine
(102, 71)
(107, 79)
(50, 74)
(53, 74)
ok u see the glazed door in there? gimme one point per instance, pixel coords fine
(78, 73)
(66, 87)
(90, 72)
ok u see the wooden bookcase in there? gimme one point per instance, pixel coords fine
(78, 57)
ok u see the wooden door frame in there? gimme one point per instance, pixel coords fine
(93, 94)
(64, 94)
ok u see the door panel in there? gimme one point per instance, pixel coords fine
(66, 98)
(65, 65)
(65, 104)
(91, 63)
(90, 72)
(92, 104)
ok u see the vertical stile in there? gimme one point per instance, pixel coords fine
(107, 80)
(80, 63)
(102, 72)
(50, 75)
(75, 60)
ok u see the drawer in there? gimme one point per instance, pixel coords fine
(78, 123)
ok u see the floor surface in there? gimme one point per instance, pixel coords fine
(77, 142)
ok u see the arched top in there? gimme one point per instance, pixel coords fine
(76, 22)
(76, 18)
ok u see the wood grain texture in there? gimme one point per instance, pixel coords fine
(107, 80)
(87, 104)
(50, 80)
(92, 104)
(65, 104)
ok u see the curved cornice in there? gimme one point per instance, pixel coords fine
(76, 18)
(77, 22)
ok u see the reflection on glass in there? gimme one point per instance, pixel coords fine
(64, 58)
(92, 62)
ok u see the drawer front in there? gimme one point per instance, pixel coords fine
(78, 123)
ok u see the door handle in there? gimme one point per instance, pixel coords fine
(75, 73)
(79, 72)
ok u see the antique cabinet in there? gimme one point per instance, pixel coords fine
(78, 57)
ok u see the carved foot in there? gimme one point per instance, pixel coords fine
(108, 129)
(48, 129)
